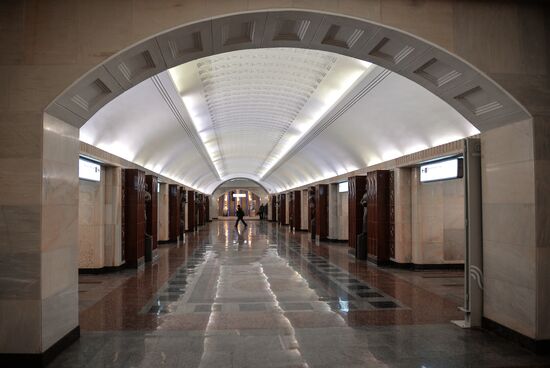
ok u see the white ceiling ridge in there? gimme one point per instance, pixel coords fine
(378, 74)
(190, 130)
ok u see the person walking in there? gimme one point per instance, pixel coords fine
(240, 216)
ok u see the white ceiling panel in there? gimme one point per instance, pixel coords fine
(282, 117)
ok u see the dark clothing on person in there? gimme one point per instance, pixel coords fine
(240, 217)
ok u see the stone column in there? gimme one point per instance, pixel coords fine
(516, 242)
(113, 217)
(402, 196)
(332, 211)
(163, 234)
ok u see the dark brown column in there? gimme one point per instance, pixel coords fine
(182, 201)
(311, 197)
(282, 209)
(274, 208)
(391, 206)
(173, 212)
(321, 211)
(291, 209)
(191, 223)
(123, 214)
(201, 209)
(378, 216)
(152, 210)
(134, 207)
(207, 207)
(297, 210)
(221, 200)
(356, 190)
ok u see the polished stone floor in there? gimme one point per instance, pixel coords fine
(262, 296)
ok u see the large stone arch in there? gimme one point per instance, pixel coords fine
(468, 90)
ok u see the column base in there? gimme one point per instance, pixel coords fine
(42, 359)
(541, 347)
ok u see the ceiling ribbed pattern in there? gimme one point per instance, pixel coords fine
(254, 104)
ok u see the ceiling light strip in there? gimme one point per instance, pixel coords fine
(304, 141)
(193, 136)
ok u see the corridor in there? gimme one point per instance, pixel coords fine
(263, 296)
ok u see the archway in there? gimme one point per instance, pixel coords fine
(472, 94)
(94, 94)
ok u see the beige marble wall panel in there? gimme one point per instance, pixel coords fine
(163, 215)
(59, 270)
(431, 19)
(403, 217)
(509, 242)
(509, 305)
(305, 207)
(104, 28)
(112, 216)
(333, 204)
(12, 37)
(437, 220)
(19, 253)
(368, 9)
(92, 224)
(59, 314)
(508, 45)
(59, 236)
(20, 181)
(343, 216)
(33, 87)
(21, 134)
(20, 321)
(508, 182)
(150, 17)
(51, 32)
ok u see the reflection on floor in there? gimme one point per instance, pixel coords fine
(264, 297)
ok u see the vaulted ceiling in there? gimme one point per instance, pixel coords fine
(281, 116)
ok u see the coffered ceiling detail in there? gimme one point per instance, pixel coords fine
(250, 107)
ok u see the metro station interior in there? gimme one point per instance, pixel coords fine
(389, 158)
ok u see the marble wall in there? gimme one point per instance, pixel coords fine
(337, 213)
(163, 216)
(112, 217)
(99, 220)
(437, 219)
(509, 227)
(21, 149)
(333, 211)
(91, 223)
(59, 232)
(403, 216)
(343, 227)
(304, 213)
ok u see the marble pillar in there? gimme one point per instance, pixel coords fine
(510, 228)
(113, 217)
(333, 211)
(304, 213)
(163, 218)
(402, 197)
(59, 232)
(343, 216)
(91, 223)
(437, 218)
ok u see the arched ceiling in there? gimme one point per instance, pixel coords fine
(281, 116)
(285, 117)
